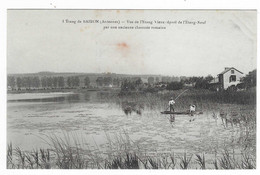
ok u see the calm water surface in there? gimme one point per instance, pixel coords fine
(30, 117)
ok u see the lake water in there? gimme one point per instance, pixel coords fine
(32, 117)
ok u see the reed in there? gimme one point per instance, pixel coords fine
(185, 160)
(248, 162)
(226, 161)
(201, 161)
(20, 158)
(43, 160)
(9, 158)
(173, 161)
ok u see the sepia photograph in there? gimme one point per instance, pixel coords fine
(131, 89)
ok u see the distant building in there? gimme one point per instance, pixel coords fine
(229, 77)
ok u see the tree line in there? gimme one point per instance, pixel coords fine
(126, 83)
(29, 82)
(154, 84)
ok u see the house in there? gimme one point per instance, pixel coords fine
(227, 78)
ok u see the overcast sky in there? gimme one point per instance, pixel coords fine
(38, 40)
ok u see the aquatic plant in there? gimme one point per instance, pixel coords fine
(201, 161)
(46, 159)
(185, 160)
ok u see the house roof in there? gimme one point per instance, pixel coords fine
(226, 70)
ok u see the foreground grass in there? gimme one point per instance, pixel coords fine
(73, 158)
(70, 153)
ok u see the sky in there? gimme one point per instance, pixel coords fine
(39, 40)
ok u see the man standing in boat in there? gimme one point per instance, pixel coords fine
(192, 109)
(171, 103)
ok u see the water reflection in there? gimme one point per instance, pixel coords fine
(172, 118)
(73, 98)
(129, 107)
(50, 99)
(87, 97)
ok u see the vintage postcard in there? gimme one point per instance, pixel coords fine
(131, 89)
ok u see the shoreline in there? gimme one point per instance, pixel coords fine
(50, 90)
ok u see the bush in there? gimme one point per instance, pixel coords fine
(174, 86)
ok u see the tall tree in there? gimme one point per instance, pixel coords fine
(19, 82)
(27, 81)
(44, 82)
(107, 81)
(55, 82)
(138, 81)
(61, 82)
(209, 78)
(100, 81)
(76, 81)
(250, 79)
(69, 82)
(35, 82)
(116, 82)
(11, 81)
(49, 81)
(86, 81)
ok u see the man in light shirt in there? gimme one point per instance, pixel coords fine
(171, 103)
(192, 109)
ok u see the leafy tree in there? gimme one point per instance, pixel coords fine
(69, 82)
(208, 78)
(86, 81)
(75, 81)
(107, 81)
(100, 81)
(27, 82)
(202, 82)
(44, 82)
(19, 82)
(61, 82)
(11, 81)
(49, 81)
(127, 85)
(55, 81)
(250, 79)
(36, 82)
(174, 86)
(138, 81)
(116, 82)
(132, 85)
